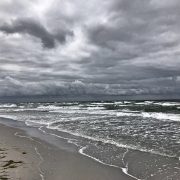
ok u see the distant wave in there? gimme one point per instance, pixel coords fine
(8, 106)
(162, 116)
(145, 108)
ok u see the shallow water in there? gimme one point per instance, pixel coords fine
(106, 126)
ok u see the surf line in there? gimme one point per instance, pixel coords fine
(28, 137)
(41, 161)
(81, 151)
(124, 170)
(69, 140)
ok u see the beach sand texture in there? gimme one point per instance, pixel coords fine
(32, 159)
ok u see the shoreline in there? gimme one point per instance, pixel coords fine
(60, 148)
(81, 151)
(48, 161)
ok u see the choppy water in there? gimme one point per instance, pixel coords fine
(146, 126)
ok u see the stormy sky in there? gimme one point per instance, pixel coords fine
(102, 47)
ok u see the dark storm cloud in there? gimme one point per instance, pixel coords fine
(34, 28)
(121, 47)
(137, 23)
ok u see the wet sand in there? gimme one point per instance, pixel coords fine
(25, 157)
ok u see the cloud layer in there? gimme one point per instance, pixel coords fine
(33, 28)
(118, 47)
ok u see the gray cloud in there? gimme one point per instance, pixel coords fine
(76, 88)
(121, 47)
(33, 28)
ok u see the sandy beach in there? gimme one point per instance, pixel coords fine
(37, 153)
(24, 157)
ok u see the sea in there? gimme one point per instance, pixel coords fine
(101, 130)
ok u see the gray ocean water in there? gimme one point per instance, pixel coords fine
(107, 126)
